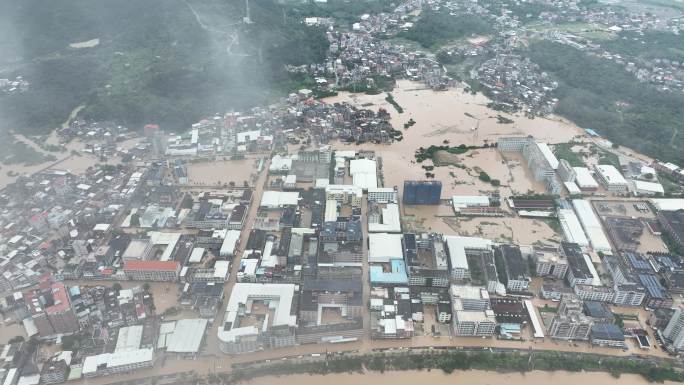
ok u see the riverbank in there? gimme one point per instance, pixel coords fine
(471, 377)
(449, 361)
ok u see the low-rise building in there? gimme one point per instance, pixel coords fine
(474, 323)
(152, 270)
(113, 363)
(607, 335)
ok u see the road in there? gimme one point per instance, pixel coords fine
(259, 187)
(224, 364)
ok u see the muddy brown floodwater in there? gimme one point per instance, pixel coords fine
(451, 116)
(473, 377)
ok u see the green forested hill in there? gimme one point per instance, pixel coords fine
(155, 61)
(598, 94)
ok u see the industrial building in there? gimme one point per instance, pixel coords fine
(674, 331)
(584, 180)
(279, 199)
(364, 173)
(187, 337)
(672, 222)
(572, 229)
(611, 179)
(458, 247)
(517, 276)
(384, 219)
(118, 362)
(581, 270)
(383, 247)
(591, 225)
(460, 202)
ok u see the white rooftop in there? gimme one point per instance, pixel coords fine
(187, 336)
(572, 229)
(275, 199)
(278, 296)
(665, 204)
(196, 255)
(584, 179)
(611, 174)
(129, 338)
(383, 247)
(648, 187)
(457, 246)
(112, 360)
(363, 172)
(548, 155)
(463, 201)
(390, 220)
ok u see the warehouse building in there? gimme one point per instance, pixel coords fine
(584, 180)
(591, 225)
(364, 173)
(572, 229)
(279, 199)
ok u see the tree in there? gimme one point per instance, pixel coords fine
(116, 286)
(135, 220)
(16, 339)
(146, 286)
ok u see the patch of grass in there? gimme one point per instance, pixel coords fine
(554, 224)
(606, 157)
(564, 151)
(390, 99)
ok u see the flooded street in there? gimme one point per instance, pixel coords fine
(221, 172)
(72, 159)
(473, 377)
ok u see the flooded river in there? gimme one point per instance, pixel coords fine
(473, 377)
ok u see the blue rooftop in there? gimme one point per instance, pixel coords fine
(396, 275)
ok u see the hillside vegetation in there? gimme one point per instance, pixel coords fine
(598, 94)
(156, 61)
(434, 28)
